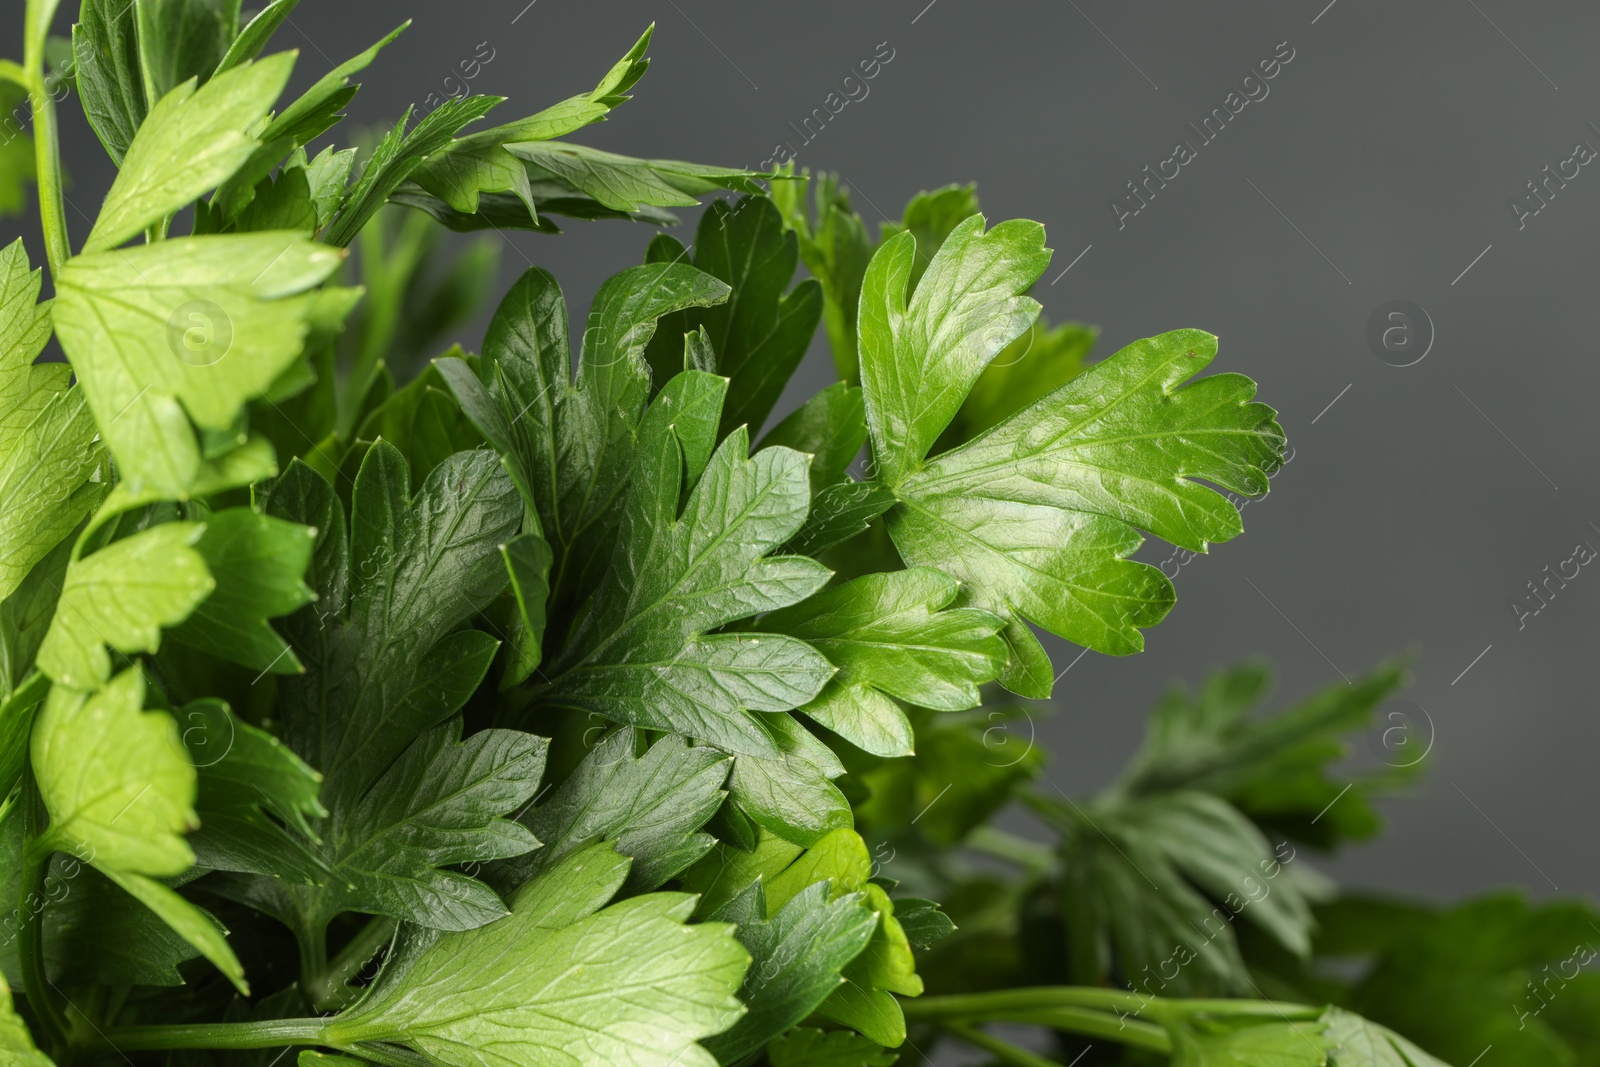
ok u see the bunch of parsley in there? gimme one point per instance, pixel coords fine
(524, 713)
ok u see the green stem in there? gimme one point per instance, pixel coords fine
(1004, 1051)
(1086, 1022)
(1106, 1000)
(330, 988)
(1034, 858)
(30, 915)
(47, 167)
(269, 1033)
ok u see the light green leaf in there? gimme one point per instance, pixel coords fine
(1255, 1044)
(122, 596)
(257, 563)
(651, 807)
(120, 791)
(47, 436)
(116, 779)
(890, 636)
(1355, 1042)
(564, 979)
(836, 249)
(16, 1043)
(254, 36)
(17, 159)
(1040, 361)
(1038, 516)
(188, 328)
(796, 954)
(922, 350)
(206, 129)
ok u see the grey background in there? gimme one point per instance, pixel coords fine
(1416, 507)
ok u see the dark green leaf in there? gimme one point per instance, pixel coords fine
(105, 44)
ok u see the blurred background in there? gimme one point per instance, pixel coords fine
(1363, 234)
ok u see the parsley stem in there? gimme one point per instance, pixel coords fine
(1004, 1051)
(329, 988)
(267, 1033)
(47, 158)
(30, 918)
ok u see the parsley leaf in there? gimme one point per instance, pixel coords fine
(569, 443)
(122, 596)
(49, 448)
(120, 791)
(205, 127)
(644, 655)
(761, 332)
(796, 953)
(1038, 515)
(256, 562)
(105, 43)
(650, 806)
(890, 638)
(805, 1047)
(188, 328)
(563, 977)
(15, 1042)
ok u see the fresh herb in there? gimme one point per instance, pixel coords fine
(484, 710)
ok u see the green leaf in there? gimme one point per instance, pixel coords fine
(439, 804)
(922, 350)
(469, 167)
(1355, 1042)
(564, 979)
(206, 128)
(930, 218)
(385, 656)
(257, 563)
(805, 1047)
(651, 807)
(423, 421)
(760, 334)
(188, 328)
(1037, 516)
(968, 766)
(839, 513)
(791, 793)
(94, 933)
(48, 446)
(253, 38)
(831, 427)
(1162, 880)
(527, 559)
(105, 45)
(16, 1043)
(1254, 1044)
(122, 596)
(890, 636)
(836, 249)
(570, 445)
(183, 39)
(645, 655)
(796, 954)
(1275, 768)
(623, 183)
(120, 791)
(397, 155)
(1037, 363)
(116, 780)
(251, 790)
(17, 713)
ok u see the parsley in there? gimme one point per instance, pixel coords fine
(507, 707)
